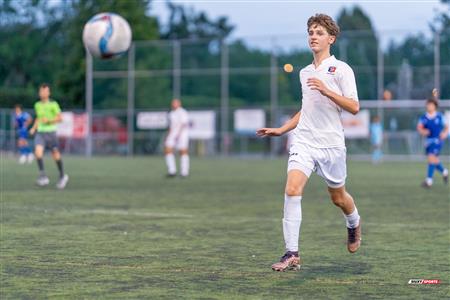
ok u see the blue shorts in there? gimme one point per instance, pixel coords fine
(22, 134)
(433, 147)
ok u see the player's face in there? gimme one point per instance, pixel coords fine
(319, 39)
(44, 92)
(175, 104)
(431, 108)
(18, 110)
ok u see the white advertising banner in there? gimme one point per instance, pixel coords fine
(247, 121)
(65, 128)
(202, 125)
(152, 120)
(356, 126)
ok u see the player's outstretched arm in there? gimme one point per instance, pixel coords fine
(288, 126)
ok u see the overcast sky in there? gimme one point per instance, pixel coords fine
(283, 19)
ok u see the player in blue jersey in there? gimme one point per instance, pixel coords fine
(432, 126)
(22, 122)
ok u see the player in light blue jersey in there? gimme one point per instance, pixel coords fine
(376, 139)
(22, 122)
(432, 126)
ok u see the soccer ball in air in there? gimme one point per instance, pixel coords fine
(107, 35)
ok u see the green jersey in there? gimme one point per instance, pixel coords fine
(48, 110)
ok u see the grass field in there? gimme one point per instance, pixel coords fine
(121, 230)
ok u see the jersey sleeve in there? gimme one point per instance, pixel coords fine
(56, 108)
(422, 120)
(347, 82)
(443, 120)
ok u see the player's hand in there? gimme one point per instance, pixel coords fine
(318, 85)
(443, 136)
(425, 132)
(44, 121)
(263, 132)
(32, 131)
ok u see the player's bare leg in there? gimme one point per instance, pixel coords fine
(39, 153)
(342, 199)
(296, 181)
(22, 144)
(170, 162)
(184, 162)
(63, 178)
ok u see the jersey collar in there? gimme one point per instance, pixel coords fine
(324, 63)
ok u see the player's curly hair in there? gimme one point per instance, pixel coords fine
(326, 21)
(434, 101)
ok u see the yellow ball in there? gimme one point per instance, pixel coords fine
(288, 68)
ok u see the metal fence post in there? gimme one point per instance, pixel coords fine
(273, 99)
(130, 100)
(437, 59)
(89, 100)
(176, 88)
(224, 97)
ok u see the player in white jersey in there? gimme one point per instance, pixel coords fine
(328, 87)
(177, 139)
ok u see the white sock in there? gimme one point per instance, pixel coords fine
(291, 221)
(429, 180)
(445, 172)
(171, 165)
(184, 161)
(352, 220)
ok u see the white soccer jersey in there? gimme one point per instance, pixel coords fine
(179, 129)
(320, 122)
(177, 119)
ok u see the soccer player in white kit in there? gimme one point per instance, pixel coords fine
(328, 87)
(177, 138)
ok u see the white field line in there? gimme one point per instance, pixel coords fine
(122, 212)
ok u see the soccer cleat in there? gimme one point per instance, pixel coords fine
(289, 261)
(62, 182)
(22, 159)
(425, 184)
(354, 238)
(445, 177)
(42, 180)
(171, 175)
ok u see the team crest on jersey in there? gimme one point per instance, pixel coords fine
(331, 70)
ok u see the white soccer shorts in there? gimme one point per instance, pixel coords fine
(328, 163)
(180, 143)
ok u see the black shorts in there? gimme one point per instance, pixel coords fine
(47, 140)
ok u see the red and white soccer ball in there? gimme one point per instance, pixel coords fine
(107, 35)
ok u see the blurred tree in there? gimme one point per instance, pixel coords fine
(357, 46)
(108, 93)
(201, 39)
(51, 50)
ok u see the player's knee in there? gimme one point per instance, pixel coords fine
(293, 190)
(338, 198)
(38, 152)
(56, 155)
